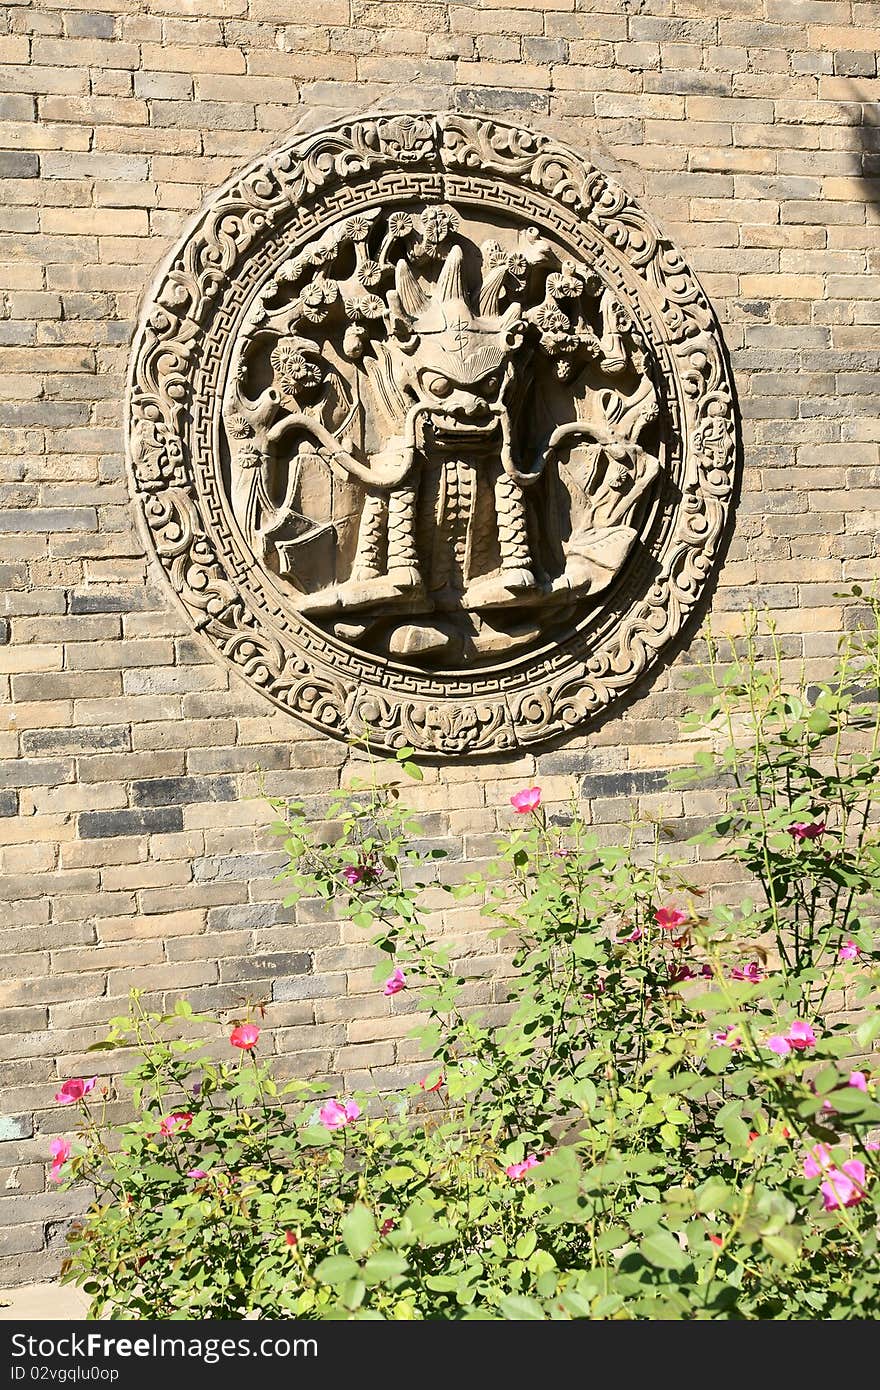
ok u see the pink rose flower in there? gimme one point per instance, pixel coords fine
(196, 1173)
(60, 1151)
(336, 1114)
(859, 1080)
(807, 830)
(729, 1038)
(635, 935)
(681, 972)
(387, 1226)
(752, 973)
(527, 800)
(175, 1123)
(362, 872)
(843, 1186)
(669, 918)
(396, 981)
(817, 1161)
(246, 1036)
(74, 1090)
(800, 1035)
(518, 1170)
(849, 951)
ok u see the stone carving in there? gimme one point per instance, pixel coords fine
(432, 432)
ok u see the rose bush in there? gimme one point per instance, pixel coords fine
(676, 1119)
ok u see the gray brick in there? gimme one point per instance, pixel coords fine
(19, 164)
(15, 1127)
(99, 825)
(500, 99)
(85, 740)
(623, 783)
(275, 967)
(182, 791)
(51, 519)
(8, 803)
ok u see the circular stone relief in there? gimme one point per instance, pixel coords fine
(432, 432)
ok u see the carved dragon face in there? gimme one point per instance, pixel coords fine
(453, 366)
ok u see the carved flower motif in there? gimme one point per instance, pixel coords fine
(564, 286)
(399, 224)
(370, 273)
(249, 456)
(517, 265)
(551, 320)
(436, 224)
(357, 229)
(238, 426)
(318, 297)
(295, 374)
(365, 307)
(493, 254)
(560, 344)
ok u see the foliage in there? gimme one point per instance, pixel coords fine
(671, 1121)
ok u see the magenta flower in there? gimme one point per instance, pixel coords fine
(751, 973)
(807, 830)
(680, 972)
(635, 935)
(353, 875)
(196, 1173)
(527, 800)
(246, 1036)
(729, 1038)
(60, 1151)
(387, 1226)
(436, 1086)
(74, 1090)
(843, 1186)
(175, 1123)
(669, 918)
(396, 981)
(849, 951)
(518, 1170)
(801, 1036)
(336, 1114)
(859, 1080)
(817, 1161)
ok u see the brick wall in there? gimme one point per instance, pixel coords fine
(132, 845)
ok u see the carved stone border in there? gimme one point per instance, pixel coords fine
(176, 358)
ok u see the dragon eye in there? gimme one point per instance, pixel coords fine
(436, 383)
(490, 385)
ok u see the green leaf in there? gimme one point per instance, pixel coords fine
(517, 1308)
(337, 1269)
(660, 1248)
(384, 1265)
(525, 1245)
(781, 1249)
(358, 1231)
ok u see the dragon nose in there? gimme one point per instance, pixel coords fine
(465, 405)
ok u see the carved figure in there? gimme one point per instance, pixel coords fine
(404, 330)
(432, 432)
